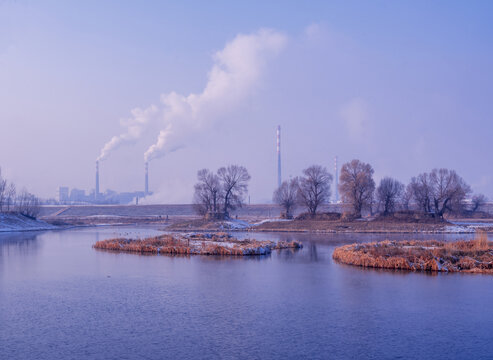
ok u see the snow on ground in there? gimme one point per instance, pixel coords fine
(458, 229)
(270, 220)
(17, 222)
(241, 224)
(472, 224)
(235, 225)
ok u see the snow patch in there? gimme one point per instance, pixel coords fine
(269, 221)
(17, 222)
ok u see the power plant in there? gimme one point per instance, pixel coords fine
(279, 179)
(77, 196)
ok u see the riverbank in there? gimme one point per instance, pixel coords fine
(257, 218)
(372, 225)
(12, 222)
(195, 244)
(474, 256)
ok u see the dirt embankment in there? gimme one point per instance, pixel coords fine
(356, 226)
(326, 223)
(475, 256)
(195, 244)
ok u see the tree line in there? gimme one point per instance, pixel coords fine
(21, 202)
(435, 193)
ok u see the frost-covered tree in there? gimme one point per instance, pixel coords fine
(208, 194)
(314, 187)
(286, 196)
(234, 181)
(356, 185)
(440, 191)
(389, 192)
(217, 194)
(478, 200)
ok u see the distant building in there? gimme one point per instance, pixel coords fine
(62, 195)
(77, 195)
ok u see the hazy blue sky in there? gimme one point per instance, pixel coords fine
(405, 86)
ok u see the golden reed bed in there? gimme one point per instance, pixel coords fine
(475, 256)
(195, 244)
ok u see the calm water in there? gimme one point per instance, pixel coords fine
(61, 299)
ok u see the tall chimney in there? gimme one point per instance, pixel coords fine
(278, 156)
(336, 171)
(96, 192)
(146, 187)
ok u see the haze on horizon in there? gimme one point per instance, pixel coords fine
(404, 86)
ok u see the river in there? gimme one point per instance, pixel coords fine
(61, 299)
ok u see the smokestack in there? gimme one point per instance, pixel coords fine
(279, 156)
(146, 187)
(336, 171)
(96, 192)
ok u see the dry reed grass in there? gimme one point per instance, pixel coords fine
(195, 244)
(466, 256)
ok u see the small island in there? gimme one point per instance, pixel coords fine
(474, 256)
(196, 244)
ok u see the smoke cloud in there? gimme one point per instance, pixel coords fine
(135, 127)
(237, 69)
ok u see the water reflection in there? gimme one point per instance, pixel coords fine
(60, 298)
(18, 244)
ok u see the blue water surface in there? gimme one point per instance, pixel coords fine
(61, 299)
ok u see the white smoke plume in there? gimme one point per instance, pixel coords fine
(237, 69)
(135, 126)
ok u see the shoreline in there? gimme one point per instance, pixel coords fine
(316, 227)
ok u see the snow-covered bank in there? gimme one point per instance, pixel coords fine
(17, 222)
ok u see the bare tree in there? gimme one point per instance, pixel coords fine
(439, 191)
(314, 187)
(449, 190)
(286, 196)
(10, 196)
(234, 179)
(478, 201)
(3, 191)
(420, 188)
(407, 197)
(356, 185)
(28, 204)
(208, 193)
(388, 193)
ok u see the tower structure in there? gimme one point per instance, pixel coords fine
(146, 186)
(96, 191)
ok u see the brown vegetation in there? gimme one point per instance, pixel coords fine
(330, 222)
(475, 256)
(328, 216)
(356, 185)
(409, 216)
(399, 222)
(195, 244)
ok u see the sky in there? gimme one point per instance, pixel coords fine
(403, 85)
